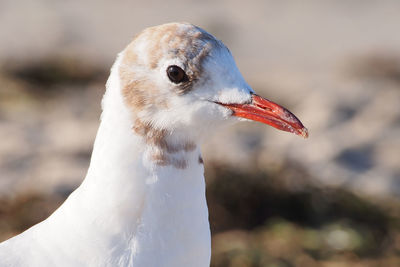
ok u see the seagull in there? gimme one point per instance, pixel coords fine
(143, 202)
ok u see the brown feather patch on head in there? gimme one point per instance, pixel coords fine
(187, 43)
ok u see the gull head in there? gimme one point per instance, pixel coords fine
(177, 77)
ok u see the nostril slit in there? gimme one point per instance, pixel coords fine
(263, 107)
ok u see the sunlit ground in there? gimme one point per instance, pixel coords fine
(274, 199)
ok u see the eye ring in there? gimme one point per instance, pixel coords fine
(176, 74)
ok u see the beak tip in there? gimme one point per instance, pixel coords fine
(303, 132)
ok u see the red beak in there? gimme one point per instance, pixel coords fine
(268, 112)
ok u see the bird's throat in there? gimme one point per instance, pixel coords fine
(150, 197)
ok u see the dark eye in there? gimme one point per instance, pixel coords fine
(176, 74)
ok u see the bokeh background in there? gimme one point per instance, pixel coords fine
(274, 199)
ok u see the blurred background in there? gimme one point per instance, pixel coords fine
(275, 199)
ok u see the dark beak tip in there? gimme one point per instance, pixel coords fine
(303, 133)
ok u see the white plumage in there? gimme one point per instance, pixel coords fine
(143, 202)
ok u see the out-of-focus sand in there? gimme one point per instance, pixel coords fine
(335, 64)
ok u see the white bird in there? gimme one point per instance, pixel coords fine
(143, 201)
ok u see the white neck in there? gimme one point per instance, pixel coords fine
(129, 210)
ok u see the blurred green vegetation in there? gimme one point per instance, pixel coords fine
(257, 221)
